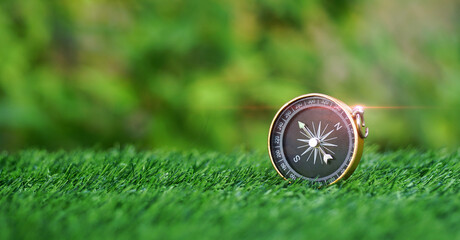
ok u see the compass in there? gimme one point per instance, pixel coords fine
(317, 138)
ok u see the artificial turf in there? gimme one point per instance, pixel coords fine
(123, 193)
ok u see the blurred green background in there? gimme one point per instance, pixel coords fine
(212, 74)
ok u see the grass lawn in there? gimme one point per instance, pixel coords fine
(124, 194)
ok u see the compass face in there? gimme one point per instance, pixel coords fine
(312, 138)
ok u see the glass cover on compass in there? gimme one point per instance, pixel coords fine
(313, 138)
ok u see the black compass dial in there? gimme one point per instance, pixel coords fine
(312, 138)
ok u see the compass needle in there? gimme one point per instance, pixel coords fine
(305, 129)
(309, 131)
(301, 124)
(326, 156)
(303, 133)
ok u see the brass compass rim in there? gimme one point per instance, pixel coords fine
(358, 143)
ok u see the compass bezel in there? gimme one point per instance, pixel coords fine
(357, 145)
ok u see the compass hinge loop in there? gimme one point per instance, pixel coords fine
(358, 115)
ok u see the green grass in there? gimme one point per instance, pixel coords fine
(124, 193)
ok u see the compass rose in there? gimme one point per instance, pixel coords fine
(316, 142)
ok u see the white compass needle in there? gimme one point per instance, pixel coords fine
(326, 156)
(305, 129)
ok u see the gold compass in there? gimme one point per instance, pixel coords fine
(317, 138)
